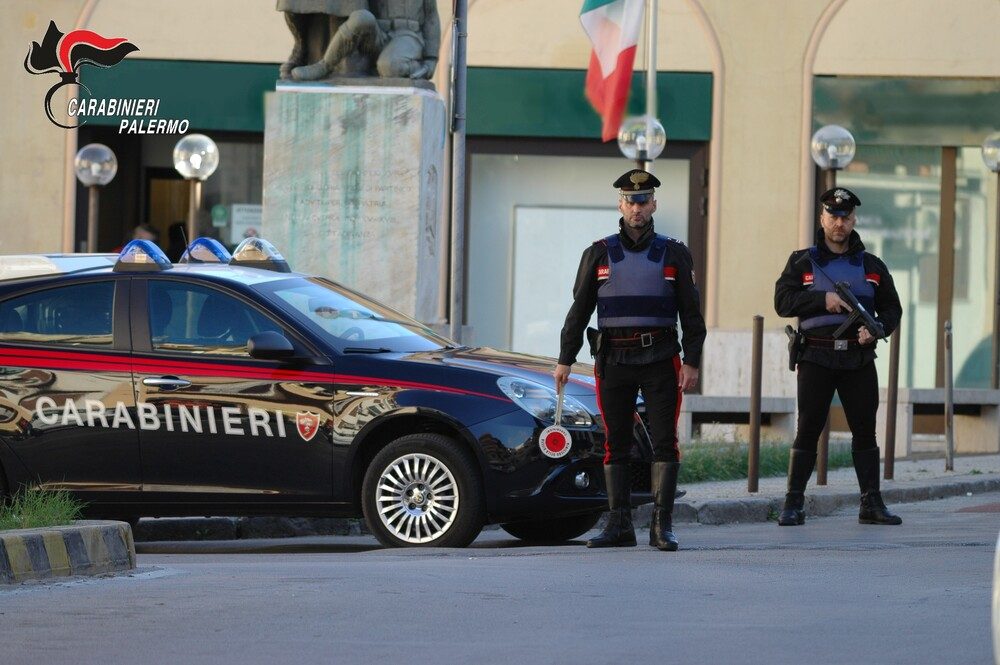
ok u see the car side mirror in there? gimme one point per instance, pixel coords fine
(270, 345)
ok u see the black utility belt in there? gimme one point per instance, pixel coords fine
(638, 340)
(833, 344)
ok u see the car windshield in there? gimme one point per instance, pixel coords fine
(350, 322)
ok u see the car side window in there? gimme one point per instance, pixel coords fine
(195, 319)
(75, 315)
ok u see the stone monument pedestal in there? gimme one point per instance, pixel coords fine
(352, 185)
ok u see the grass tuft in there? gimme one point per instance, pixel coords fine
(34, 508)
(705, 461)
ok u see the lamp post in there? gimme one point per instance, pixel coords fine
(96, 166)
(459, 80)
(642, 138)
(991, 156)
(832, 149)
(195, 157)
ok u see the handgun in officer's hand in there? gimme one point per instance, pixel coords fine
(858, 313)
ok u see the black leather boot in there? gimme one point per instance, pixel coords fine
(618, 532)
(873, 510)
(663, 480)
(800, 467)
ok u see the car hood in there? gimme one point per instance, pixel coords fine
(507, 363)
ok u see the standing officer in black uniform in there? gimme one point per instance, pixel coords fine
(639, 281)
(825, 364)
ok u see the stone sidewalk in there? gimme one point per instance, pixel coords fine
(914, 480)
(707, 503)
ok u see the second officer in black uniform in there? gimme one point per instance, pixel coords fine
(640, 282)
(845, 364)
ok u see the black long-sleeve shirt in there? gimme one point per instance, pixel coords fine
(793, 298)
(685, 294)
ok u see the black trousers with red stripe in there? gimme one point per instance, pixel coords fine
(858, 390)
(617, 390)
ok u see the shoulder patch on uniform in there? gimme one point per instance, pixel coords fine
(807, 279)
(874, 278)
(603, 272)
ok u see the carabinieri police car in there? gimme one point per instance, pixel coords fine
(231, 385)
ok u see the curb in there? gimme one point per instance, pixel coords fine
(245, 528)
(818, 504)
(81, 548)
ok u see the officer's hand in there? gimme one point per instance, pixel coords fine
(688, 377)
(865, 337)
(561, 374)
(836, 304)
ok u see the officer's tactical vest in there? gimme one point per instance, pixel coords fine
(635, 288)
(842, 268)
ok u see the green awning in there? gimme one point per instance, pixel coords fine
(501, 102)
(909, 111)
(551, 103)
(211, 95)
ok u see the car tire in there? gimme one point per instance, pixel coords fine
(557, 529)
(423, 490)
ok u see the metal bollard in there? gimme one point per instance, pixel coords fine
(892, 400)
(949, 405)
(753, 451)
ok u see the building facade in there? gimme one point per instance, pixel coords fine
(742, 85)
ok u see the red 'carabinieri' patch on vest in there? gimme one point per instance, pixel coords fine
(670, 272)
(603, 272)
(807, 279)
(874, 278)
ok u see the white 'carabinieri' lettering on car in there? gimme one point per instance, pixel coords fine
(150, 417)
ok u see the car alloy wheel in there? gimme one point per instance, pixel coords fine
(417, 498)
(424, 490)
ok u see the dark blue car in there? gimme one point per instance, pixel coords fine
(219, 386)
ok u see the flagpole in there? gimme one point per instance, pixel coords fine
(650, 72)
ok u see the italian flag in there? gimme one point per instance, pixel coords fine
(613, 28)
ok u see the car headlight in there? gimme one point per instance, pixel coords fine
(540, 401)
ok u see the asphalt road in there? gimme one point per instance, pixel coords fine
(832, 591)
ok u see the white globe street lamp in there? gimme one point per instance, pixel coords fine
(96, 166)
(991, 152)
(195, 157)
(642, 138)
(832, 147)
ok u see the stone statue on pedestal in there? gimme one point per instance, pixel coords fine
(376, 38)
(312, 24)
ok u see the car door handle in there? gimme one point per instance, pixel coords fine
(166, 382)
